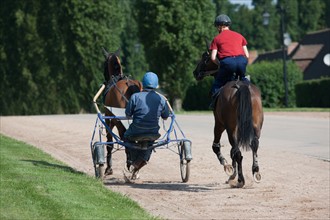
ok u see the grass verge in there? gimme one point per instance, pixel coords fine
(33, 185)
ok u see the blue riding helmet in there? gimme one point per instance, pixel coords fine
(150, 80)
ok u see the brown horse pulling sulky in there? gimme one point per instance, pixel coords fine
(238, 110)
(118, 92)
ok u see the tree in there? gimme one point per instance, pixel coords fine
(224, 7)
(21, 52)
(173, 34)
(134, 61)
(326, 16)
(88, 26)
(265, 37)
(310, 14)
(291, 19)
(51, 53)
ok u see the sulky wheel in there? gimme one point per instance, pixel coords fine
(98, 159)
(99, 171)
(184, 165)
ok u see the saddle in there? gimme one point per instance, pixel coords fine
(143, 140)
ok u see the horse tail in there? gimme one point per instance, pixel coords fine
(245, 133)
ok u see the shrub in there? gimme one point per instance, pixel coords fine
(198, 95)
(313, 93)
(268, 76)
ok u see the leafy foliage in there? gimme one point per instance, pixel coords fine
(198, 95)
(134, 60)
(51, 57)
(268, 76)
(173, 33)
(52, 53)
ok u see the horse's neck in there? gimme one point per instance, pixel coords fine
(114, 76)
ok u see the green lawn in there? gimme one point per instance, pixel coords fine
(36, 186)
(297, 109)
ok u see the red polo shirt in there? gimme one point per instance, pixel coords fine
(228, 43)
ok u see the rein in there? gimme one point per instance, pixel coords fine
(202, 74)
(114, 81)
(210, 72)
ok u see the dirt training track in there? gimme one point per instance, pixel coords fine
(294, 166)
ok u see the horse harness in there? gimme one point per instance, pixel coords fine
(116, 79)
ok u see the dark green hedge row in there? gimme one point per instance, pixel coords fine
(313, 93)
(198, 95)
(269, 77)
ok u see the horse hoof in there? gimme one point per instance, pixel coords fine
(135, 176)
(229, 169)
(240, 184)
(128, 179)
(257, 177)
(108, 171)
(130, 176)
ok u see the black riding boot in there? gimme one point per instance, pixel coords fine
(212, 105)
(214, 99)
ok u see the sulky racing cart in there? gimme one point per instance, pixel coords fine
(172, 138)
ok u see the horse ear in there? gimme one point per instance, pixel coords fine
(117, 52)
(105, 53)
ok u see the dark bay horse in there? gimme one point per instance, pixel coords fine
(118, 91)
(238, 110)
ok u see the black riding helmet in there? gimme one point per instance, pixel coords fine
(222, 20)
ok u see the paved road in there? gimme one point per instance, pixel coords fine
(309, 136)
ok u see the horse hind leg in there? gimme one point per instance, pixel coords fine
(216, 147)
(255, 166)
(217, 150)
(227, 167)
(234, 171)
(237, 157)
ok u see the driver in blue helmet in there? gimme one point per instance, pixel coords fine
(145, 107)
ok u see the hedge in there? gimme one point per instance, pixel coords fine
(269, 77)
(313, 93)
(198, 95)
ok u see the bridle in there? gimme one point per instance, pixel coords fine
(205, 60)
(116, 68)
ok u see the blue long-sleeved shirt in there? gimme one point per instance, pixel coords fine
(146, 108)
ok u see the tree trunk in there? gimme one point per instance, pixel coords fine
(177, 104)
